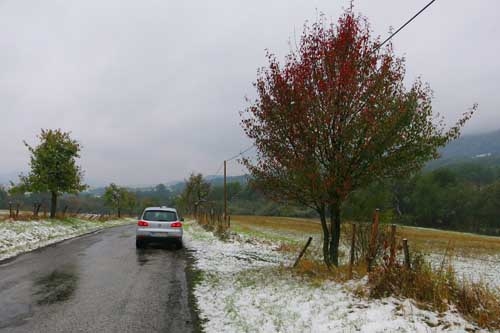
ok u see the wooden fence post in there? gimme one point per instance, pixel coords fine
(392, 257)
(373, 240)
(407, 253)
(10, 209)
(353, 244)
(302, 252)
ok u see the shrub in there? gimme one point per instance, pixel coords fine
(437, 289)
(362, 244)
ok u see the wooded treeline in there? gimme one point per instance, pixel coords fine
(132, 201)
(463, 196)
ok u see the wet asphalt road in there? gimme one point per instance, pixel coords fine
(96, 283)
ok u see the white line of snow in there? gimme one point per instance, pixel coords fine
(22, 236)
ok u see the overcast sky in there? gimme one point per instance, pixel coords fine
(152, 89)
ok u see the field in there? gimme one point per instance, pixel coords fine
(246, 283)
(25, 235)
(422, 238)
(475, 257)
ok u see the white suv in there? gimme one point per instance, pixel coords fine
(158, 224)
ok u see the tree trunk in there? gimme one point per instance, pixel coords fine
(326, 237)
(335, 234)
(118, 207)
(53, 204)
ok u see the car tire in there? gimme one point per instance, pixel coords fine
(139, 244)
(179, 245)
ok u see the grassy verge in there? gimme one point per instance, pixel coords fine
(18, 236)
(194, 277)
(464, 244)
(28, 216)
(433, 287)
(295, 229)
(438, 289)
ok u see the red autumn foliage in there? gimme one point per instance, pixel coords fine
(335, 117)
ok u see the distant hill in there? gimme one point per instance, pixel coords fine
(219, 180)
(178, 187)
(474, 145)
(478, 148)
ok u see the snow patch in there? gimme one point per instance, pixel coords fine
(245, 288)
(21, 236)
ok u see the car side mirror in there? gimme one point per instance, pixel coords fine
(182, 219)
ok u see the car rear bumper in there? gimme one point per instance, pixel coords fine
(159, 234)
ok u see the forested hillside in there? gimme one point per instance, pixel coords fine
(460, 191)
(479, 148)
(462, 196)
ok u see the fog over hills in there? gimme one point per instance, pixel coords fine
(473, 145)
(481, 148)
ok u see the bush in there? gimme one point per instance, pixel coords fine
(437, 289)
(362, 244)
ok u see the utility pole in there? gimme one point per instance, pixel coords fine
(225, 193)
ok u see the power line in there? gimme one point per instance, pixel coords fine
(219, 169)
(232, 158)
(404, 25)
(379, 46)
(241, 153)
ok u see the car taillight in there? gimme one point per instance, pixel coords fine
(143, 224)
(176, 225)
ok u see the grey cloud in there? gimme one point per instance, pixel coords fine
(152, 89)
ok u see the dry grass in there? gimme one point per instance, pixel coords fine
(479, 303)
(318, 272)
(420, 239)
(214, 224)
(286, 247)
(432, 288)
(28, 216)
(464, 244)
(275, 223)
(438, 289)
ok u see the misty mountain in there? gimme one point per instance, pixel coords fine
(478, 145)
(219, 180)
(478, 148)
(214, 180)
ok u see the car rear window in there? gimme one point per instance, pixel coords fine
(159, 215)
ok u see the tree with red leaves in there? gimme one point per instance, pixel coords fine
(337, 116)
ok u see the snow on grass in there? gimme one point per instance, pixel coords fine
(21, 236)
(247, 287)
(241, 253)
(484, 269)
(471, 265)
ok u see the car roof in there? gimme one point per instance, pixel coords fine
(168, 209)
